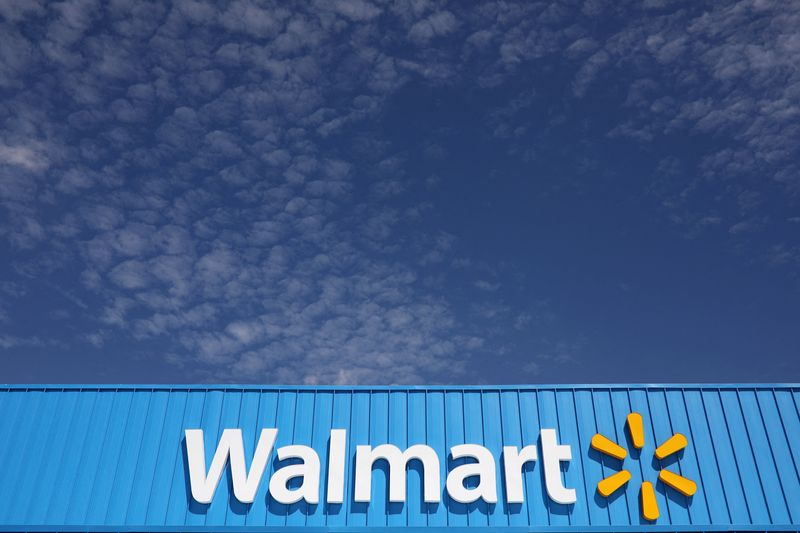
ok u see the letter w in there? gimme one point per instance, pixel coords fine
(245, 485)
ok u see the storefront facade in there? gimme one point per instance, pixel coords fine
(529, 458)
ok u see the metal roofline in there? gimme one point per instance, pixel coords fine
(243, 387)
(396, 529)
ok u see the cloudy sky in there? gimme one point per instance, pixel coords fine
(358, 191)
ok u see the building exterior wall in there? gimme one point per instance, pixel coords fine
(88, 458)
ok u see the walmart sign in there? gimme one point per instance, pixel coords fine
(481, 468)
(678, 458)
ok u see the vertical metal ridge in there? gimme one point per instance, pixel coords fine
(164, 468)
(722, 448)
(122, 483)
(108, 461)
(18, 458)
(790, 491)
(37, 457)
(538, 398)
(766, 475)
(137, 462)
(225, 509)
(736, 461)
(52, 465)
(95, 437)
(406, 431)
(10, 406)
(200, 420)
(707, 458)
(68, 469)
(789, 416)
(585, 465)
(653, 439)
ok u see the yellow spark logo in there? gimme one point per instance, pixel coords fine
(674, 444)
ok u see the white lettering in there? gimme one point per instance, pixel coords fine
(336, 460)
(245, 485)
(552, 455)
(483, 468)
(366, 456)
(203, 481)
(513, 460)
(308, 470)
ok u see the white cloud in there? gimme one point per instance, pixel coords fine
(29, 158)
(435, 25)
(130, 275)
(357, 10)
(10, 341)
(488, 286)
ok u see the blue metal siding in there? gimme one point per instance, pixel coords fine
(105, 459)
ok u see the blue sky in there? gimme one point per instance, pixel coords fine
(356, 192)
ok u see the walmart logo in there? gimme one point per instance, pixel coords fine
(649, 505)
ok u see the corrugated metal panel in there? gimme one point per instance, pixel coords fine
(113, 459)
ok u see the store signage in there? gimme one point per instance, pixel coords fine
(482, 467)
(301, 479)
